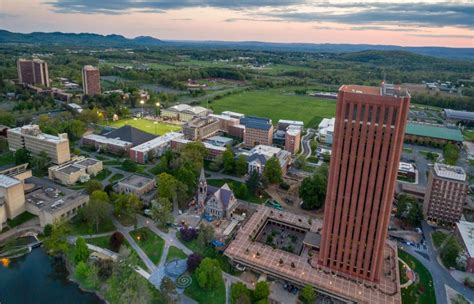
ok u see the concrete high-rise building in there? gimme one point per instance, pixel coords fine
(91, 80)
(32, 139)
(445, 194)
(33, 72)
(368, 139)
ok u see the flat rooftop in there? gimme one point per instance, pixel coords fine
(303, 269)
(136, 181)
(34, 131)
(434, 131)
(450, 172)
(104, 140)
(50, 199)
(466, 229)
(70, 169)
(7, 181)
(157, 142)
(88, 162)
(384, 90)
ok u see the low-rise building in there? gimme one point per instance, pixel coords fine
(138, 185)
(284, 124)
(78, 169)
(455, 116)
(259, 155)
(465, 232)
(220, 141)
(326, 130)
(51, 205)
(184, 112)
(258, 131)
(445, 194)
(216, 202)
(153, 148)
(213, 151)
(200, 128)
(438, 135)
(406, 171)
(32, 139)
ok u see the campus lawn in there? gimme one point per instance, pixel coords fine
(116, 177)
(20, 219)
(102, 175)
(101, 241)
(7, 159)
(421, 292)
(146, 125)
(438, 238)
(234, 185)
(83, 228)
(215, 296)
(277, 104)
(150, 243)
(175, 253)
(468, 135)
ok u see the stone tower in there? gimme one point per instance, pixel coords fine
(202, 191)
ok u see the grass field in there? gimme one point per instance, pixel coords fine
(421, 292)
(278, 104)
(214, 296)
(468, 135)
(7, 159)
(149, 242)
(438, 238)
(146, 125)
(175, 253)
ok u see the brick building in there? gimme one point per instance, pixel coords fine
(33, 72)
(200, 128)
(445, 194)
(368, 139)
(91, 80)
(258, 131)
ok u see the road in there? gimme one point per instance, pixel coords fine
(441, 276)
(306, 143)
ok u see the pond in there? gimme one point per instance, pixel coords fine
(39, 278)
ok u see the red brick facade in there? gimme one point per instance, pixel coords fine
(368, 140)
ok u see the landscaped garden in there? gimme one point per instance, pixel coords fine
(214, 296)
(20, 219)
(148, 126)
(150, 243)
(421, 291)
(175, 253)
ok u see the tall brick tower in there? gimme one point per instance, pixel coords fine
(368, 139)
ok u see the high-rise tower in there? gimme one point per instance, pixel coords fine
(33, 72)
(368, 139)
(91, 80)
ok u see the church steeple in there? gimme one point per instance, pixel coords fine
(202, 190)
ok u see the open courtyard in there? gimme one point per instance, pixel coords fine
(153, 127)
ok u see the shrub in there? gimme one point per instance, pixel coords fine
(188, 234)
(193, 262)
(116, 241)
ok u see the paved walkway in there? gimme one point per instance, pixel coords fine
(31, 225)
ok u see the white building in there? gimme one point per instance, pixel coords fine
(259, 155)
(326, 130)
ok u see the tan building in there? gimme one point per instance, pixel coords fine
(78, 169)
(200, 128)
(32, 139)
(91, 80)
(136, 184)
(51, 205)
(12, 197)
(445, 194)
(258, 131)
(184, 112)
(33, 72)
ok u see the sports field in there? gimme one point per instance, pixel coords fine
(278, 104)
(146, 125)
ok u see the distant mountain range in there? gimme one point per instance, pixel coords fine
(94, 40)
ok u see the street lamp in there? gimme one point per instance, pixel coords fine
(157, 109)
(142, 102)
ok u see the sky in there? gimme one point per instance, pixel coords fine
(401, 22)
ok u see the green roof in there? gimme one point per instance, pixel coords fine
(434, 131)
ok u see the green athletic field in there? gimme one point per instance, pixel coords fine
(277, 104)
(146, 125)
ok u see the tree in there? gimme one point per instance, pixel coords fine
(241, 166)
(56, 243)
(241, 192)
(22, 156)
(161, 211)
(82, 270)
(307, 295)
(240, 294)
(129, 165)
(261, 292)
(81, 252)
(254, 183)
(313, 191)
(216, 164)
(97, 211)
(92, 185)
(166, 186)
(47, 230)
(409, 210)
(116, 241)
(450, 252)
(206, 235)
(168, 290)
(193, 262)
(451, 154)
(209, 274)
(188, 234)
(272, 170)
(193, 154)
(228, 159)
(40, 163)
(127, 204)
(7, 118)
